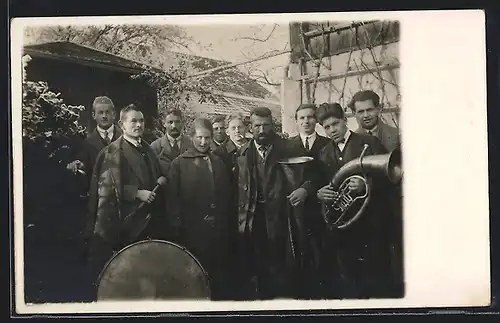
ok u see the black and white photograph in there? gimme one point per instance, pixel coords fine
(230, 160)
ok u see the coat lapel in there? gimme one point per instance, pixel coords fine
(95, 139)
(132, 160)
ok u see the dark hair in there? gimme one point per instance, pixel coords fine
(262, 112)
(103, 100)
(306, 106)
(173, 111)
(128, 108)
(201, 123)
(328, 110)
(364, 96)
(217, 119)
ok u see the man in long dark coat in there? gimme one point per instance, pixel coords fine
(309, 143)
(199, 198)
(173, 143)
(103, 112)
(358, 261)
(267, 258)
(124, 176)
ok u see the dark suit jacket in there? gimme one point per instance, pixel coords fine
(363, 251)
(227, 152)
(388, 136)
(214, 146)
(166, 155)
(91, 147)
(312, 217)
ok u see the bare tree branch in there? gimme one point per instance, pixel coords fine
(259, 39)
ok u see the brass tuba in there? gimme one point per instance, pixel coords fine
(348, 206)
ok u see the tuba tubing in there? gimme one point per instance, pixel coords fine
(388, 165)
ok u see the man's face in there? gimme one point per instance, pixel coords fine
(335, 128)
(262, 129)
(366, 113)
(173, 124)
(219, 131)
(236, 130)
(133, 124)
(306, 121)
(202, 140)
(104, 115)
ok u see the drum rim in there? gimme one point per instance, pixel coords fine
(97, 284)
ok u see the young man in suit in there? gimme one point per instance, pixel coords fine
(357, 261)
(173, 143)
(220, 135)
(266, 256)
(309, 143)
(103, 112)
(199, 196)
(125, 173)
(366, 108)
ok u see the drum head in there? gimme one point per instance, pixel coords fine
(153, 269)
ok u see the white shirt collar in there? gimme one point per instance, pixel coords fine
(133, 141)
(172, 139)
(312, 138)
(373, 130)
(341, 145)
(110, 130)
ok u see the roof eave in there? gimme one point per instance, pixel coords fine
(114, 67)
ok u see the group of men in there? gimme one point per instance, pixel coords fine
(226, 200)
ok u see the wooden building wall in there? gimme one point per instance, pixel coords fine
(80, 84)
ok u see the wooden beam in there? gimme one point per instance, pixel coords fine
(339, 75)
(244, 97)
(334, 29)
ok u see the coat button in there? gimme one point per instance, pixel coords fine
(340, 158)
(245, 187)
(212, 206)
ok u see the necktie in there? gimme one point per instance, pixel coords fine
(106, 137)
(307, 143)
(175, 146)
(263, 150)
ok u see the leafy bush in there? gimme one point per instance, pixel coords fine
(46, 119)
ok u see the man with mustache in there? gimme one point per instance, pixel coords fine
(199, 196)
(220, 135)
(366, 108)
(103, 112)
(266, 257)
(173, 143)
(357, 261)
(125, 174)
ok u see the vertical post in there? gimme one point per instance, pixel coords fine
(290, 100)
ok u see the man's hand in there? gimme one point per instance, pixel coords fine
(74, 166)
(357, 185)
(298, 196)
(146, 196)
(326, 194)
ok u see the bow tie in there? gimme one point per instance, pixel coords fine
(342, 141)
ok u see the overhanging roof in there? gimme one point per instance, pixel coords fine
(83, 55)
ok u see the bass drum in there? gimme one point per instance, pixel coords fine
(153, 269)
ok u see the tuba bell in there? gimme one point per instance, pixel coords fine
(347, 207)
